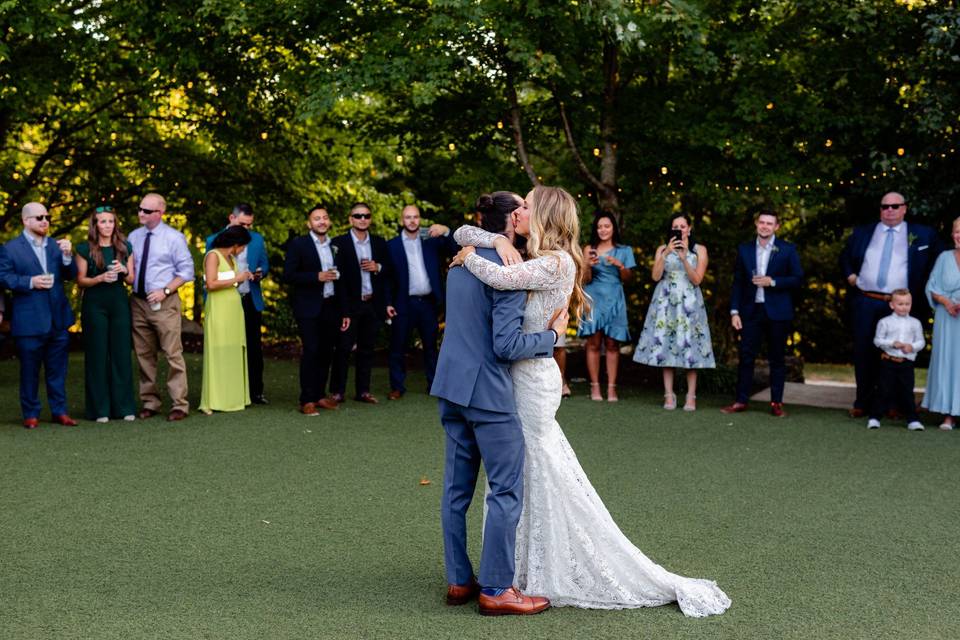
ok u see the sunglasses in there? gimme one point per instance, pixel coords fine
(361, 216)
(43, 217)
(147, 211)
(104, 209)
(893, 206)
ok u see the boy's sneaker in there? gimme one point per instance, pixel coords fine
(873, 423)
(915, 426)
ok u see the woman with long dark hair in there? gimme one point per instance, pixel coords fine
(104, 264)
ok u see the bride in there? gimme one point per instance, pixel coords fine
(568, 548)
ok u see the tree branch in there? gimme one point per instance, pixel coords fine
(568, 135)
(517, 128)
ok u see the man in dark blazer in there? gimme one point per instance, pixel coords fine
(416, 294)
(253, 258)
(34, 267)
(364, 280)
(311, 266)
(877, 259)
(766, 274)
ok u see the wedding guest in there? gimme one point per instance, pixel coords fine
(416, 297)
(319, 307)
(943, 293)
(365, 278)
(878, 258)
(675, 332)
(899, 337)
(162, 263)
(104, 264)
(605, 326)
(226, 386)
(33, 267)
(766, 274)
(252, 258)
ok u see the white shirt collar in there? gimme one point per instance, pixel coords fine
(357, 240)
(34, 239)
(770, 243)
(317, 240)
(896, 229)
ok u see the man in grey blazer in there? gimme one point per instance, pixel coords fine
(483, 336)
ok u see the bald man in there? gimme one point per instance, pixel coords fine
(34, 267)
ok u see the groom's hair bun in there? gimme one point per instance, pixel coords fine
(495, 208)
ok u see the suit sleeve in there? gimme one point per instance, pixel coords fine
(388, 273)
(737, 282)
(846, 258)
(509, 340)
(262, 262)
(291, 269)
(9, 278)
(794, 276)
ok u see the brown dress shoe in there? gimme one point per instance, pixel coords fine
(147, 413)
(776, 410)
(856, 413)
(511, 603)
(176, 415)
(368, 398)
(736, 407)
(30, 423)
(458, 594)
(65, 420)
(327, 403)
(394, 395)
(308, 409)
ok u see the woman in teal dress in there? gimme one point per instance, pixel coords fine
(611, 264)
(675, 332)
(225, 383)
(104, 264)
(943, 377)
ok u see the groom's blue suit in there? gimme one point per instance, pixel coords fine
(482, 337)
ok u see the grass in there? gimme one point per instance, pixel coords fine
(826, 372)
(269, 524)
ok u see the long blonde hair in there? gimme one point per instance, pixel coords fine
(554, 227)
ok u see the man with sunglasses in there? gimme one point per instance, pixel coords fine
(162, 263)
(878, 259)
(364, 279)
(34, 268)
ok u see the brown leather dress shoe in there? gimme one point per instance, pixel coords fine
(736, 407)
(394, 395)
(368, 398)
(148, 413)
(458, 594)
(65, 420)
(176, 415)
(776, 410)
(856, 413)
(308, 409)
(30, 423)
(511, 603)
(327, 403)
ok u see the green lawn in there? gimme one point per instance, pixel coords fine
(268, 524)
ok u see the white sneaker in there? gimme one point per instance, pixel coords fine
(873, 423)
(103, 419)
(130, 418)
(946, 426)
(915, 426)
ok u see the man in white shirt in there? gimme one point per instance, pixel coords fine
(899, 337)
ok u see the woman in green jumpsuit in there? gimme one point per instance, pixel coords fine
(225, 383)
(104, 263)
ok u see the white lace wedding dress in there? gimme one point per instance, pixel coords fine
(569, 549)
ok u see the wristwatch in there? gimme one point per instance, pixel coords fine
(773, 282)
(166, 291)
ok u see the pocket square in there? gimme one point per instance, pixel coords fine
(926, 246)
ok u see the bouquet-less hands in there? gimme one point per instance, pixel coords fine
(505, 249)
(559, 321)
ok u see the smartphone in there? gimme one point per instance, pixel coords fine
(675, 234)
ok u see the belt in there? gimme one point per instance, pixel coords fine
(886, 356)
(429, 296)
(366, 298)
(876, 295)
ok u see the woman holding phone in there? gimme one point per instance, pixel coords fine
(611, 264)
(104, 264)
(675, 333)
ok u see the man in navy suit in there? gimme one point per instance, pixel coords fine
(877, 259)
(477, 409)
(319, 307)
(766, 274)
(34, 267)
(415, 297)
(253, 258)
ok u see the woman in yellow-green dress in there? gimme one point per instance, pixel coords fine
(225, 384)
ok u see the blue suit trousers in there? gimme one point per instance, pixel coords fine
(420, 314)
(49, 351)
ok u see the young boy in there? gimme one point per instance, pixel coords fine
(899, 337)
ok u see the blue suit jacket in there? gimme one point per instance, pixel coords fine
(921, 256)
(784, 267)
(256, 258)
(399, 294)
(35, 312)
(482, 337)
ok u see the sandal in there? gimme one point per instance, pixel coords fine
(595, 391)
(947, 425)
(669, 401)
(690, 404)
(612, 393)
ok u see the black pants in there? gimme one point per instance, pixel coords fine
(364, 326)
(421, 314)
(757, 325)
(319, 336)
(866, 313)
(895, 382)
(252, 319)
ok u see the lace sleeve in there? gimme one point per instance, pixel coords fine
(546, 272)
(469, 236)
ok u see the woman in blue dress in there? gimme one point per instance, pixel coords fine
(675, 332)
(943, 377)
(611, 265)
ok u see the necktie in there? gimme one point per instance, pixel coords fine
(885, 258)
(142, 275)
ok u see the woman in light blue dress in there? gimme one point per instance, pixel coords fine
(943, 377)
(675, 332)
(611, 264)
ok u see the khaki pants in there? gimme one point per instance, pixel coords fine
(153, 330)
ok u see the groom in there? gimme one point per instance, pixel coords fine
(483, 335)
